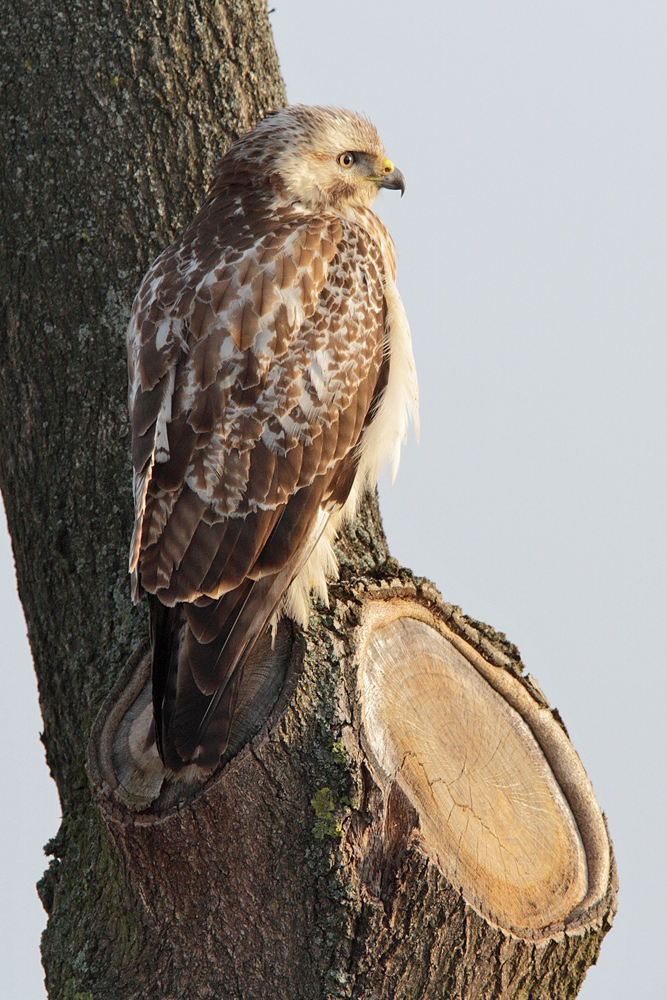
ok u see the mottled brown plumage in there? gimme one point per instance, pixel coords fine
(270, 376)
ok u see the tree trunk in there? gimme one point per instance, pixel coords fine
(411, 821)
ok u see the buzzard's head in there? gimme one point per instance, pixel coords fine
(324, 158)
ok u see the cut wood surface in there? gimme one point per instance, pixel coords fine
(452, 838)
(492, 811)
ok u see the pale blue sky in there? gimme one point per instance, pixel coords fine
(533, 249)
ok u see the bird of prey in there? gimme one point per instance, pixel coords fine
(271, 376)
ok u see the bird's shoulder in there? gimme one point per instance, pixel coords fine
(248, 270)
(271, 338)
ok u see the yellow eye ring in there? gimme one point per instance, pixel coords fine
(347, 160)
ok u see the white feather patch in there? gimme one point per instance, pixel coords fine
(312, 578)
(161, 451)
(382, 439)
(141, 480)
(380, 443)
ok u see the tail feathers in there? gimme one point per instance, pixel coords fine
(197, 686)
(201, 690)
(242, 710)
(255, 609)
(214, 666)
(208, 635)
(166, 631)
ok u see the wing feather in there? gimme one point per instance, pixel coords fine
(258, 339)
(251, 426)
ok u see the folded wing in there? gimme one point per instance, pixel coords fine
(256, 360)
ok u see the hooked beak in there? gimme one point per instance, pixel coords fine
(395, 181)
(392, 178)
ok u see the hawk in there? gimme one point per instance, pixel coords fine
(271, 376)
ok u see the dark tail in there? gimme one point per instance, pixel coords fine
(216, 672)
(214, 665)
(166, 632)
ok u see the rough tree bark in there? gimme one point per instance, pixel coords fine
(336, 855)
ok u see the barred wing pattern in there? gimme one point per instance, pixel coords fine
(257, 355)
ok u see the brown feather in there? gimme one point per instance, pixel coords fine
(272, 320)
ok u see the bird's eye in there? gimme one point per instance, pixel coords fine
(347, 159)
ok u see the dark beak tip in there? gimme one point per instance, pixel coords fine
(394, 181)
